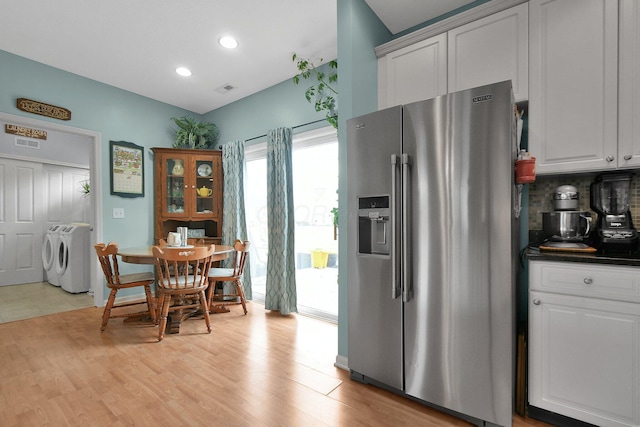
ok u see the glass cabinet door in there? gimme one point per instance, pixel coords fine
(205, 190)
(175, 197)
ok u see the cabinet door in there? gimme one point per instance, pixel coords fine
(629, 125)
(416, 72)
(175, 201)
(584, 358)
(490, 50)
(573, 84)
(204, 191)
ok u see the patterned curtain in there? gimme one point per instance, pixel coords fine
(281, 270)
(234, 225)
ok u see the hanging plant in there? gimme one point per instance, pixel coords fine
(321, 94)
(193, 134)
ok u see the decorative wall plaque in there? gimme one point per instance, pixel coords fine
(23, 131)
(43, 109)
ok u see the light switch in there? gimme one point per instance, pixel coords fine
(118, 212)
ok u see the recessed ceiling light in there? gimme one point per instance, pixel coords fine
(228, 42)
(183, 71)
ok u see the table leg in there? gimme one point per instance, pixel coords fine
(176, 318)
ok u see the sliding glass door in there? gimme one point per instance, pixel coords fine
(315, 176)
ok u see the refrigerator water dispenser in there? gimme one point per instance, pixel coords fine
(373, 225)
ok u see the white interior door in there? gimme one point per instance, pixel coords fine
(21, 210)
(64, 201)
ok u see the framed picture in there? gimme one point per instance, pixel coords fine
(127, 169)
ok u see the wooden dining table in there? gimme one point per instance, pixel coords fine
(144, 255)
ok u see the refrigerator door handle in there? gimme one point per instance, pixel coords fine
(395, 271)
(407, 286)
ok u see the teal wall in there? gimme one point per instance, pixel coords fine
(116, 114)
(281, 105)
(359, 31)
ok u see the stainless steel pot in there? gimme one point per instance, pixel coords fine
(566, 197)
(566, 225)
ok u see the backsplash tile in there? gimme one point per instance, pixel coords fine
(541, 196)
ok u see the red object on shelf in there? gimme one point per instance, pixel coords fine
(526, 171)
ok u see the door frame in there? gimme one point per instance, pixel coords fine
(95, 172)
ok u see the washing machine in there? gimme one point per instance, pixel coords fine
(74, 257)
(49, 248)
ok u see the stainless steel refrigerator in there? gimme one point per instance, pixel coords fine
(432, 251)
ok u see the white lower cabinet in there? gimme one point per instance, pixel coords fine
(584, 352)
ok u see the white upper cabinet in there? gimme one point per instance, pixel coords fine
(415, 72)
(488, 50)
(573, 84)
(629, 85)
(576, 61)
(491, 50)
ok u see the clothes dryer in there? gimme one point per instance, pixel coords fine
(49, 248)
(73, 257)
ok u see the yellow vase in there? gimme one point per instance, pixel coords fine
(178, 167)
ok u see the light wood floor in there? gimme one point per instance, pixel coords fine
(262, 369)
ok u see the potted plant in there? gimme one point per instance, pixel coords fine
(334, 211)
(85, 188)
(193, 134)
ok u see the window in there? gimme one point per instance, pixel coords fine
(315, 177)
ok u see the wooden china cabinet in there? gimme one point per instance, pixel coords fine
(188, 192)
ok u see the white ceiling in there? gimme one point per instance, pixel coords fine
(137, 45)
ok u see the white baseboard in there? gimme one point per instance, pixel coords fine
(342, 362)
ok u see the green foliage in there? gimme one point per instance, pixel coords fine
(321, 94)
(334, 211)
(85, 188)
(192, 134)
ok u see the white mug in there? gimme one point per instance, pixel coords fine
(174, 239)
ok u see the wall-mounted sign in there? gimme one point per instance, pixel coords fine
(43, 109)
(23, 131)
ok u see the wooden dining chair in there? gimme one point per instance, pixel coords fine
(233, 274)
(116, 281)
(182, 279)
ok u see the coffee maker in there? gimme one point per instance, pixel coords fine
(610, 195)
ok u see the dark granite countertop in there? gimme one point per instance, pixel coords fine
(534, 253)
